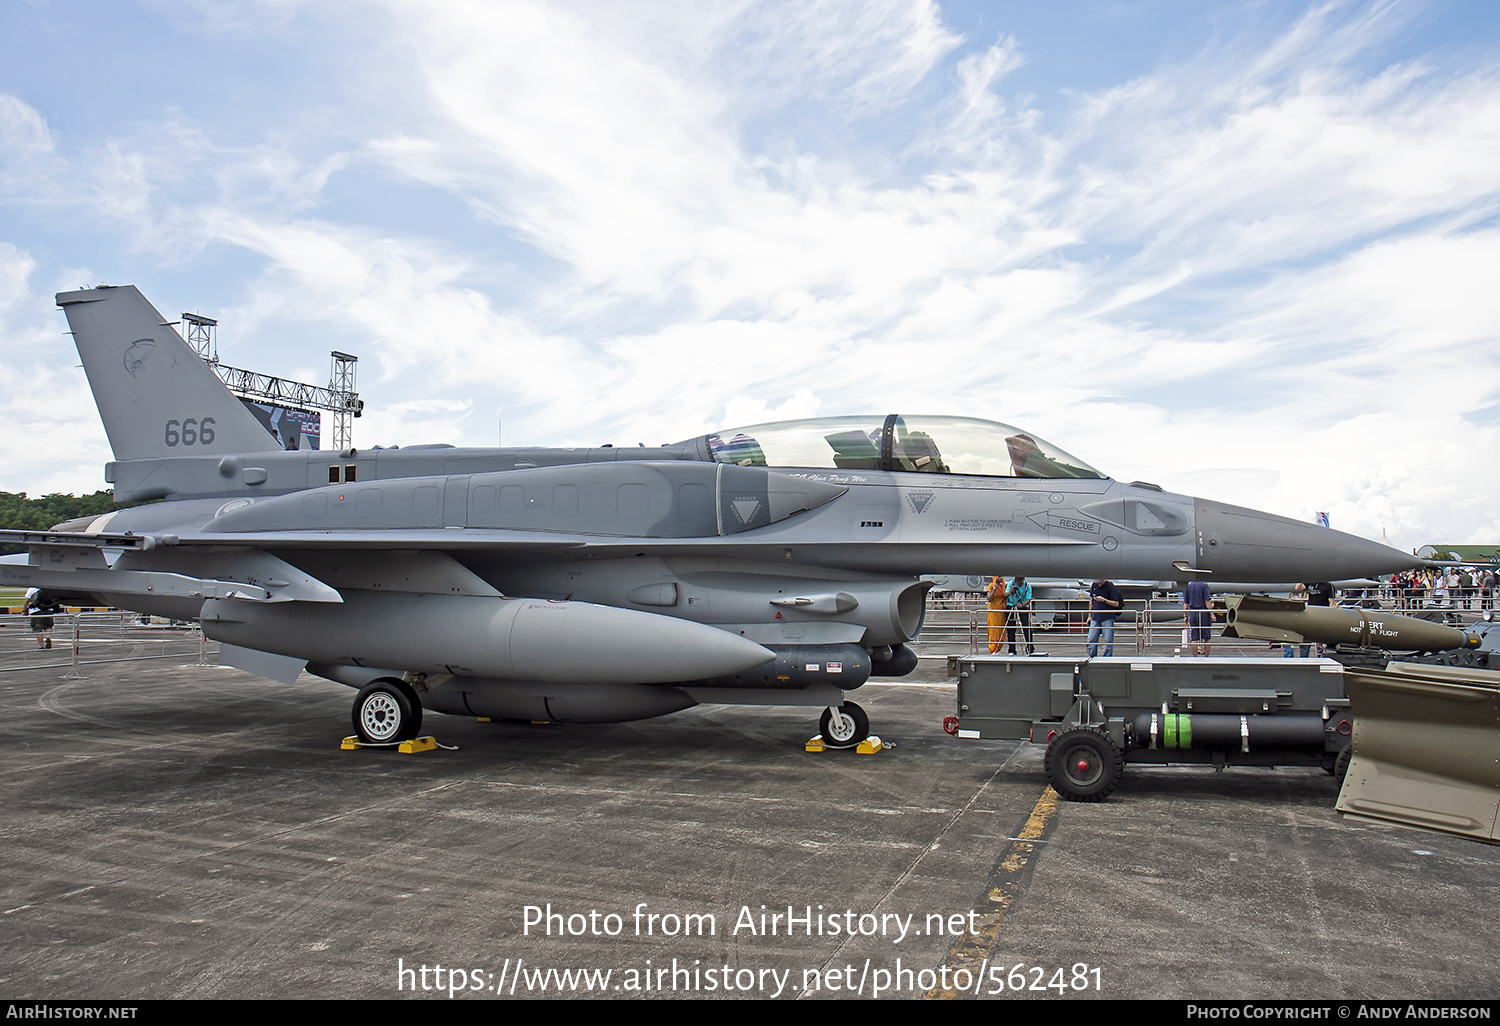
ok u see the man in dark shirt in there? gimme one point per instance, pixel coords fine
(1104, 606)
(1195, 602)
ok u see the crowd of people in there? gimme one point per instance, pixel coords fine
(1009, 606)
(1454, 587)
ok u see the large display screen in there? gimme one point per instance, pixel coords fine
(294, 429)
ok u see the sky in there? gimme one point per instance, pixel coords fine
(1246, 251)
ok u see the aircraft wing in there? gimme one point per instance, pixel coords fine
(208, 566)
(438, 538)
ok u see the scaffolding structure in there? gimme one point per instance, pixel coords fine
(199, 332)
(348, 404)
(339, 397)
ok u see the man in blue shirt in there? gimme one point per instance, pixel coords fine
(1018, 601)
(1195, 602)
(1104, 606)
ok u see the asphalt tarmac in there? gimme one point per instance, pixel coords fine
(177, 831)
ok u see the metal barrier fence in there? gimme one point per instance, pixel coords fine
(1405, 599)
(961, 623)
(82, 639)
(1057, 627)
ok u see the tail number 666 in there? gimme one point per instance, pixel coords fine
(191, 431)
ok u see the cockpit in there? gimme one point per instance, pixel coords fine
(924, 445)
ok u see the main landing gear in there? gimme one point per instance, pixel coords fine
(387, 712)
(844, 727)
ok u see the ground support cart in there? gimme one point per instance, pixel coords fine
(1096, 715)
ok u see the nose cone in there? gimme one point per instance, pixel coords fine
(1240, 544)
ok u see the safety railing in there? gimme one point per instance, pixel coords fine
(960, 622)
(1473, 599)
(80, 639)
(1054, 626)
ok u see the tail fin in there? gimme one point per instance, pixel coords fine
(155, 395)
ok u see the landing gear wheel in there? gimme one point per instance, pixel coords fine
(1084, 765)
(387, 712)
(845, 728)
(1341, 764)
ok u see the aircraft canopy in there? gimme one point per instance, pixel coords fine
(929, 445)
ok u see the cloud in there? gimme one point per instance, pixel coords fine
(1289, 153)
(634, 222)
(46, 448)
(855, 60)
(23, 131)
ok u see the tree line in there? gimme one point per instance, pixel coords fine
(20, 513)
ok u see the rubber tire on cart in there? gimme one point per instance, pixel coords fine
(854, 726)
(387, 712)
(1084, 765)
(1341, 763)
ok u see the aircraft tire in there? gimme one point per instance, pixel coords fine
(386, 712)
(851, 727)
(1084, 765)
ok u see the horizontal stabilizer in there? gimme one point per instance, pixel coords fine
(73, 564)
(119, 584)
(79, 540)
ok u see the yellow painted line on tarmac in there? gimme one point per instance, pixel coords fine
(971, 952)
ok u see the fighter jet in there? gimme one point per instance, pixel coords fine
(775, 564)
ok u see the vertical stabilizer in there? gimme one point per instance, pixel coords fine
(155, 395)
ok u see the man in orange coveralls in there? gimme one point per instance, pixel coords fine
(997, 614)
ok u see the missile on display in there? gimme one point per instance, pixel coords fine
(1292, 622)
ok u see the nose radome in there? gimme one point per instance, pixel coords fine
(1240, 544)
